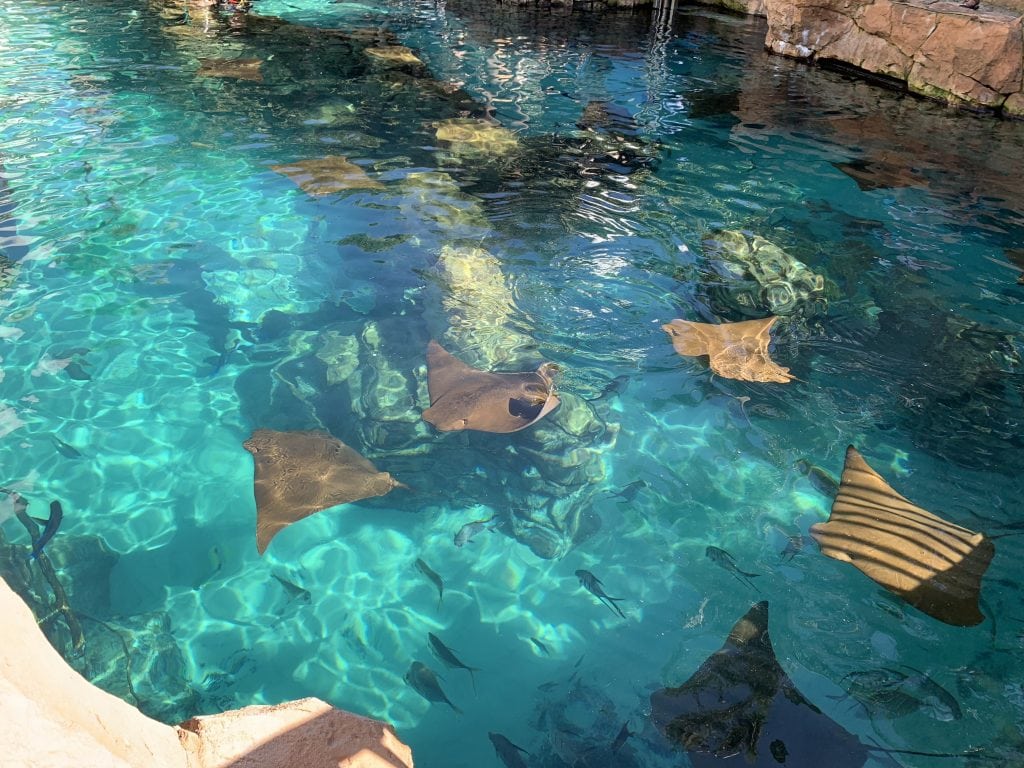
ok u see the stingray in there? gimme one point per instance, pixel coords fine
(734, 350)
(327, 175)
(741, 703)
(240, 69)
(1016, 257)
(466, 398)
(883, 173)
(934, 565)
(301, 473)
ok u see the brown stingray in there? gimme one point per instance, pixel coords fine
(932, 564)
(741, 709)
(883, 171)
(462, 397)
(300, 473)
(240, 69)
(327, 175)
(734, 350)
(1016, 257)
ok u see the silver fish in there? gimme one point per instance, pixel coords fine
(880, 692)
(592, 584)
(469, 530)
(64, 449)
(725, 560)
(540, 646)
(427, 571)
(629, 492)
(935, 700)
(822, 481)
(507, 751)
(52, 524)
(295, 592)
(450, 660)
(424, 681)
(794, 546)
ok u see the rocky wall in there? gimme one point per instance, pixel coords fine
(970, 58)
(939, 49)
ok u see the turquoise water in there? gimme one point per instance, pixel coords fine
(169, 292)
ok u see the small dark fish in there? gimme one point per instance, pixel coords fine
(427, 571)
(52, 524)
(295, 592)
(629, 492)
(778, 750)
(624, 733)
(64, 449)
(507, 751)
(450, 660)
(592, 584)
(794, 546)
(721, 557)
(75, 370)
(424, 681)
(540, 646)
(469, 530)
(935, 700)
(822, 481)
(613, 387)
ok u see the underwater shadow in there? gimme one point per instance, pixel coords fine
(308, 732)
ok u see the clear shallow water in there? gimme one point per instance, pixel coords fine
(174, 293)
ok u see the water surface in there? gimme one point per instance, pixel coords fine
(169, 292)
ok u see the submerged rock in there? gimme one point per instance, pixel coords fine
(480, 309)
(469, 137)
(755, 277)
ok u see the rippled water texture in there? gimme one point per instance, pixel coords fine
(172, 283)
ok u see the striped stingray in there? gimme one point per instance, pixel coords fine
(934, 565)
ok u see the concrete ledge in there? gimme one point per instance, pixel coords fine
(52, 717)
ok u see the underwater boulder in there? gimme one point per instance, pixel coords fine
(386, 390)
(476, 138)
(480, 309)
(393, 55)
(753, 276)
(435, 197)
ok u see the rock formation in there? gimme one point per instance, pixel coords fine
(972, 58)
(54, 717)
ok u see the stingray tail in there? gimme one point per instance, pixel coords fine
(457, 710)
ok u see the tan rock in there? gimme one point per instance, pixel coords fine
(52, 716)
(1014, 105)
(946, 52)
(308, 733)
